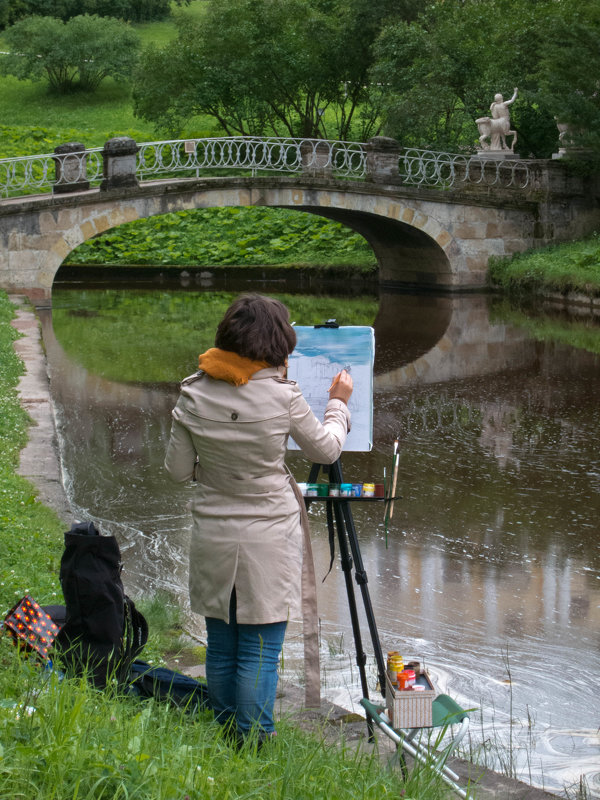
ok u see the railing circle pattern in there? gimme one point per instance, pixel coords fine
(245, 154)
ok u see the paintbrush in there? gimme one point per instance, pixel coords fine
(390, 503)
(336, 380)
(394, 480)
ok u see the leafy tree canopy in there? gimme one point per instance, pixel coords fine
(130, 10)
(73, 55)
(285, 67)
(441, 71)
(570, 72)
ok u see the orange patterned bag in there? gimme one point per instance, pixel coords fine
(31, 627)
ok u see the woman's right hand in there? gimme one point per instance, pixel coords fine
(341, 387)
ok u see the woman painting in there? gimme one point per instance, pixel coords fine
(230, 430)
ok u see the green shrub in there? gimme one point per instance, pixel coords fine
(74, 55)
(221, 236)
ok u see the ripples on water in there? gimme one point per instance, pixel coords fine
(491, 566)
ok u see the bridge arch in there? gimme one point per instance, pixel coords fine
(410, 243)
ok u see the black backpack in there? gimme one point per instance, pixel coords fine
(103, 632)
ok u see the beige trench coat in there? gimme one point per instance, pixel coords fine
(246, 528)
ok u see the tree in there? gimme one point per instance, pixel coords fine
(570, 73)
(73, 55)
(12, 11)
(285, 67)
(441, 72)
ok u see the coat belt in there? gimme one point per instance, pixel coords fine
(227, 484)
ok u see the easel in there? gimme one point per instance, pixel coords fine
(340, 522)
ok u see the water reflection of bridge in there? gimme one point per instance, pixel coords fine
(445, 338)
(419, 342)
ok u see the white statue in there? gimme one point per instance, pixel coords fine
(497, 127)
(564, 132)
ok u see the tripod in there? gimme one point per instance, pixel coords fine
(340, 521)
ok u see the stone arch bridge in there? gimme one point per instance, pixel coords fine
(432, 219)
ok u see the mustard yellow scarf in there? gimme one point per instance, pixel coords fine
(224, 365)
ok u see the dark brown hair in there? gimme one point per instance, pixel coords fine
(257, 327)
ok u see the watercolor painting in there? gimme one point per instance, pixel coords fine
(319, 355)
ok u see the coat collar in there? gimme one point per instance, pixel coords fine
(268, 372)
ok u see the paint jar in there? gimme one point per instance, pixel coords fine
(334, 490)
(322, 489)
(404, 679)
(395, 665)
(312, 490)
(345, 489)
(357, 489)
(368, 490)
(379, 490)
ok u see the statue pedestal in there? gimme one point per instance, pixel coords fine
(498, 155)
(576, 153)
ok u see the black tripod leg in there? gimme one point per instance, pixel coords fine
(362, 580)
(346, 560)
(346, 532)
(361, 577)
(314, 473)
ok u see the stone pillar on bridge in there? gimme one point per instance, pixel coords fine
(119, 163)
(316, 158)
(70, 168)
(383, 155)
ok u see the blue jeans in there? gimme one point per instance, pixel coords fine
(241, 670)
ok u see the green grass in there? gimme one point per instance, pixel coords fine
(161, 33)
(30, 534)
(90, 118)
(570, 267)
(39, 121)
(61, 740)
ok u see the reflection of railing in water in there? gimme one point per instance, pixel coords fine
(527, 425)
(433, 413)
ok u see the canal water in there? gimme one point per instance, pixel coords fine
(489, 571)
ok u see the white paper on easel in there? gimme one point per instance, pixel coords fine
(319, 355)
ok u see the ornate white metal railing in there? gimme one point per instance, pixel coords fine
(26, 174)
(251, 155)
(342, 159)
(445, 170)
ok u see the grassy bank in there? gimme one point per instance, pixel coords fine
(62, 740)
(571, 267)
(30, 533)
